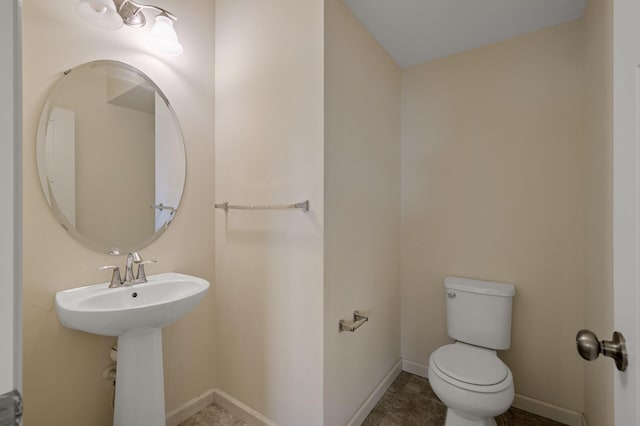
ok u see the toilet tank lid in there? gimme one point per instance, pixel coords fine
(479, 286)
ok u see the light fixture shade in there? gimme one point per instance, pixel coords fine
(163, 37)
(101, 13)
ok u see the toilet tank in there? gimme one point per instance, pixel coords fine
(479, 312)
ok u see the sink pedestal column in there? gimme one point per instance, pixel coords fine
(139, 379)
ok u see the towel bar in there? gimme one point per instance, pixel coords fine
(304, 205)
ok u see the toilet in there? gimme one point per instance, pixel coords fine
(467, 375)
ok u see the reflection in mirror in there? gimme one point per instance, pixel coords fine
(110, 157)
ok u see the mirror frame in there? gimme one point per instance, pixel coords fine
(42, 167)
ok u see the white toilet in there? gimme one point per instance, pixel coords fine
(468, 376)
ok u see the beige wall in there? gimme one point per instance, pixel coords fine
(63, 368)
(493, 188)
(598, 291)
(269, 150)
(362, 216)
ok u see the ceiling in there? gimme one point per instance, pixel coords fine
(417, 31)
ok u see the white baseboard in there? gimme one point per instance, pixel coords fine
(415, 368)
(375, 396)
(544, 409)
(241, 410)
(190, 408)
(252, 417)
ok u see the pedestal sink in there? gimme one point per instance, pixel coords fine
(136, 314)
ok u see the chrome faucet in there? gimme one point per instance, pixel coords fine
(140, 277)
(128, 268)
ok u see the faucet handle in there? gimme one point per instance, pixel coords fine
(141, 277)
(116, 280)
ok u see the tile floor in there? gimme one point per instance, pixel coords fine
(409, 401)
(213, 415)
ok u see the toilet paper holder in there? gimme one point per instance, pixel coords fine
(358, 320)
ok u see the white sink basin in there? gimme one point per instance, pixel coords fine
(136, 314)
(99, 309)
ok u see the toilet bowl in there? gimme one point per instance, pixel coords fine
(468, 376)
(472, 382)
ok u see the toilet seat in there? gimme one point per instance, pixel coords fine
(471, 368)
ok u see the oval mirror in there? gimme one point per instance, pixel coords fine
(111, 157)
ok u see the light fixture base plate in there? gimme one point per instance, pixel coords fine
(131, 13)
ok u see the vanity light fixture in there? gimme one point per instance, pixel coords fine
(112, 14)
(101, 13)
(163, 37)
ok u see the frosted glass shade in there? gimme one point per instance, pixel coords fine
(164, 38)
(101, 13)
